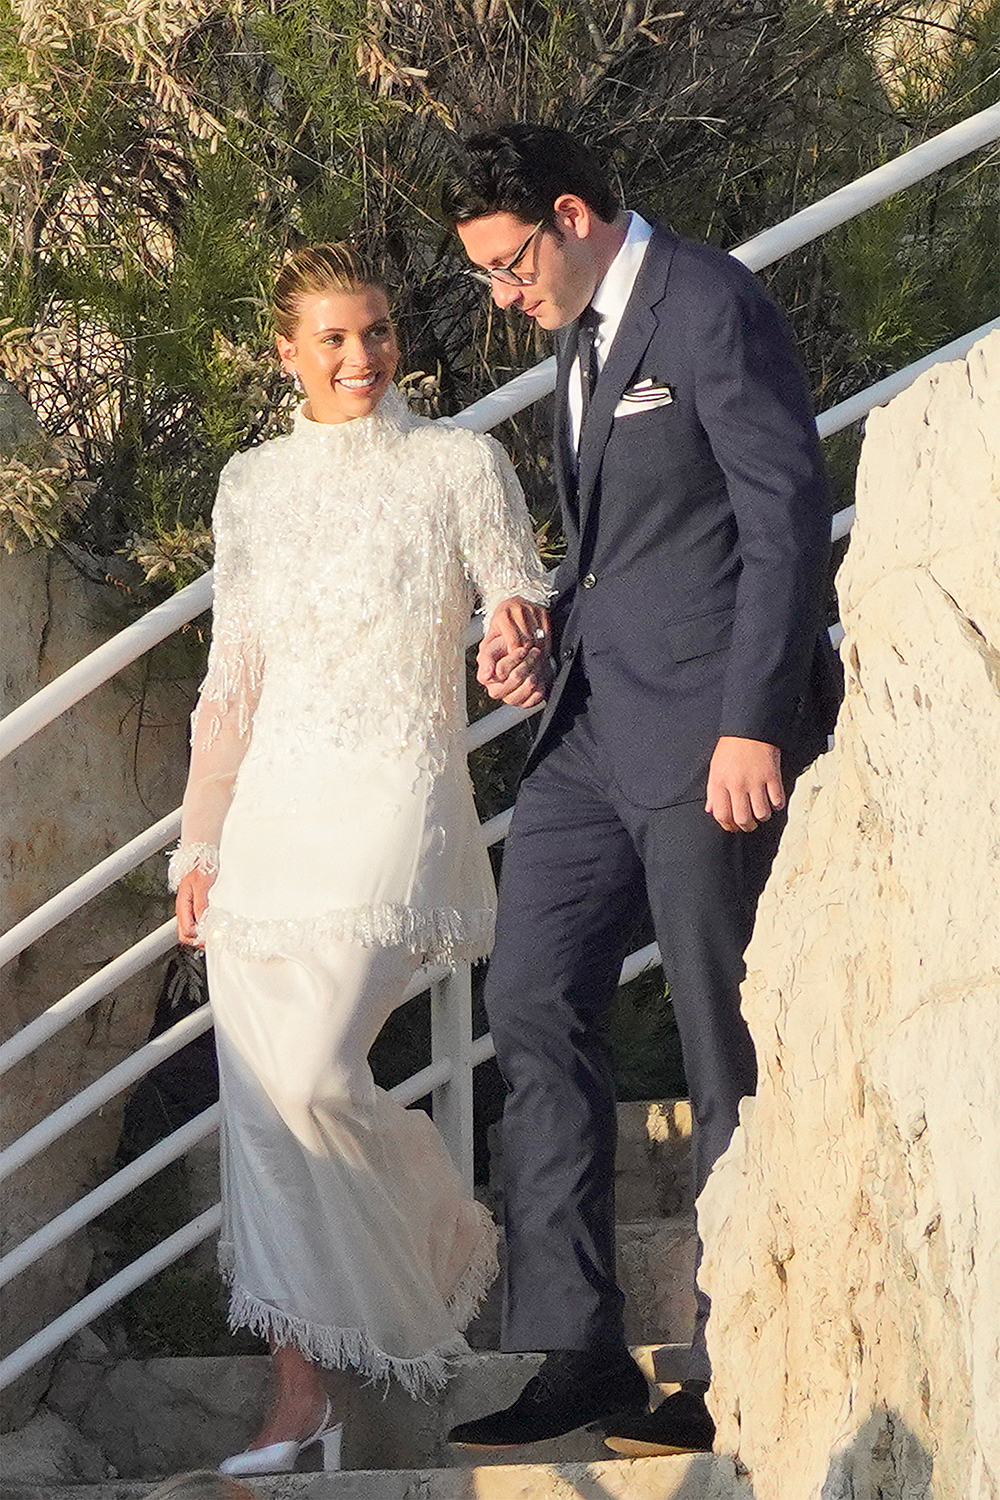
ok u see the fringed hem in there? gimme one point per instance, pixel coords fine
(442, 935)
(346, 1348)
(350, 1348)
(480, 1274)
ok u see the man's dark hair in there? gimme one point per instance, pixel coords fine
(522, 170)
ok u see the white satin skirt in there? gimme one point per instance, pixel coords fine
(345, 1228)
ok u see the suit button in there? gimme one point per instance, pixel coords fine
(589, 580)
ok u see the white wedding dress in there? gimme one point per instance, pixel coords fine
(329, 793)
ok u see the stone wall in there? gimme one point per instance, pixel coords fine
(853, 1228)
(87, 783)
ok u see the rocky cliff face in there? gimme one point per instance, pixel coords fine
(853, 1228)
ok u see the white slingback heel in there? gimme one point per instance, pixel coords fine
(280, 1458)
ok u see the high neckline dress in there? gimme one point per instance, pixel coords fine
(329, 793)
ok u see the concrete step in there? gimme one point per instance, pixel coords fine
(150, 1418)
(656, 1273)
(702, 1476)
(653, 1162)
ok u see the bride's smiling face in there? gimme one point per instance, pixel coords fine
(344, 351)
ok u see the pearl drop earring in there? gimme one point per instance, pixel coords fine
(296, 381)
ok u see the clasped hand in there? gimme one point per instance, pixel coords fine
(514, 663)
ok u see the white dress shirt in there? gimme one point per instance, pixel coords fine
(609, 303)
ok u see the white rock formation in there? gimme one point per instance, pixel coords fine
(853, 1228)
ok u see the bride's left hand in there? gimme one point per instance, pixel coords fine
(190, 906)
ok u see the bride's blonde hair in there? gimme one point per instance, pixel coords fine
(313, 270)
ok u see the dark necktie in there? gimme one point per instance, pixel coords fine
(586, 335)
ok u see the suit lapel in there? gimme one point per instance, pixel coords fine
(636, 329)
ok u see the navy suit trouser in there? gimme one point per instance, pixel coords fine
(579, 861)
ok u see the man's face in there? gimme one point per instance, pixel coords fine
(558, 267)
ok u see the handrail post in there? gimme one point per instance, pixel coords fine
(451, 1037)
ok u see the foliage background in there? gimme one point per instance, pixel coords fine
(159, 157)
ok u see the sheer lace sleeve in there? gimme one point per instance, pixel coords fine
(222, 721)
(495, 535)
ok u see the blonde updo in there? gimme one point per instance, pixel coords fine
(313, 271)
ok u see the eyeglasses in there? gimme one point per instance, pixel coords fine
(506, 274)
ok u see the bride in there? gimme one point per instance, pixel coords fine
(329, 844)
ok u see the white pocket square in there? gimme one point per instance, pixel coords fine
(645, 395)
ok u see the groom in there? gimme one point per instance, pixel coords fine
(693, 681)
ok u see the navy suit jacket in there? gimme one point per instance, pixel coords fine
(698, 533)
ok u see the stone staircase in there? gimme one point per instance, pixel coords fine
(697, 1477)
(126, 1424)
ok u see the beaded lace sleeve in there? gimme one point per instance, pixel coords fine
(495, 535)
(222, 721)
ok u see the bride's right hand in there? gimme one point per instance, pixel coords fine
(192, 899)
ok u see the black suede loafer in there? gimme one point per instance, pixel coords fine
(574, 1388)
(680, 1424)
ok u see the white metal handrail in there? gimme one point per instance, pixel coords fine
(836, 418)
(80, 891)
(145, 1059)
(49, 1338)
(96, 1202)
(169, 1149)
(121, 862)
(180, 1141)
(137, 1065)
(80, 999)
(103, 663)
(949, 146)
(442, 1074)
(102, 1090)
(140, 956)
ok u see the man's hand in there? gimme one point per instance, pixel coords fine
(744, 784)
(192, 899)
(514, 665)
